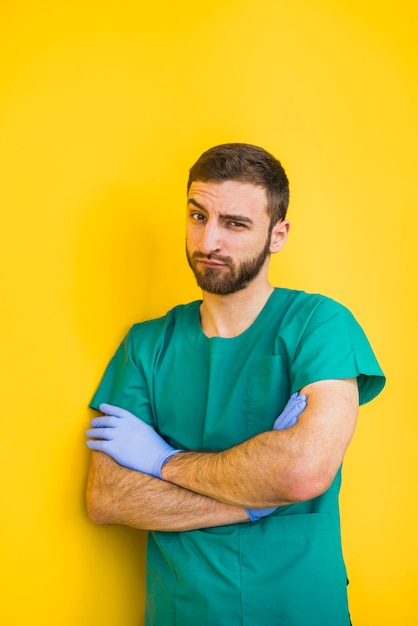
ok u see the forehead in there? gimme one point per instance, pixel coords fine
(229, 194)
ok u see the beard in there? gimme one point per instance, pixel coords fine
(231, 278)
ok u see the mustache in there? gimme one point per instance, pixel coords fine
(212, 256)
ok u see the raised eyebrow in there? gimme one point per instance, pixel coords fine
(196, 204)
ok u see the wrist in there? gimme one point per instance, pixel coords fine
(163, 474)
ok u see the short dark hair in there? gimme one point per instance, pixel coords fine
(245, 163)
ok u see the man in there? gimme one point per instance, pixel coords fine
(200, 443)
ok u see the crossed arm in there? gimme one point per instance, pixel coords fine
(212, 489)
(117, 495)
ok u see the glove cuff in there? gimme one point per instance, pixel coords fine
(166, 457)
(256, 514)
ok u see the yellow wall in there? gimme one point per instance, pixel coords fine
(104, 106)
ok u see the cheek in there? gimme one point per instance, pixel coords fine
(192, 241)
(189, 236)
(254, 247)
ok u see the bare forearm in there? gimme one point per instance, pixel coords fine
(116, 495)
(277, 467)
(240, 476)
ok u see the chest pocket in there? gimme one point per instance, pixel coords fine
(268, 392)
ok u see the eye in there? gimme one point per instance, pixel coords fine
(236, 225)
(197, 217)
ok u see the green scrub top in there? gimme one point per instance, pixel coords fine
(205, 393)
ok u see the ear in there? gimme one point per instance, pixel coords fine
(279, 235)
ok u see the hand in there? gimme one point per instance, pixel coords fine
(287, 418)
(129, 440)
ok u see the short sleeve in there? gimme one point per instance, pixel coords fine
(334, 346)
(124, 384)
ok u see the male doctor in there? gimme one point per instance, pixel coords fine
(225, 422)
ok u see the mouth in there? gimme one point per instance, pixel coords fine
(210, 263)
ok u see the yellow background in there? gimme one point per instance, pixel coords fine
(104, 106)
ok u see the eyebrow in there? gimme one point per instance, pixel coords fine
(226, 216)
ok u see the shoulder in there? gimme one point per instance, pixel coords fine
(325, 341)
(301, 306)
(300, 297)
(150, 332)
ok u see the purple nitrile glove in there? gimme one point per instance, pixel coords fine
(129, 440)
(287, 418)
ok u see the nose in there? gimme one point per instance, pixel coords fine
(210, 238)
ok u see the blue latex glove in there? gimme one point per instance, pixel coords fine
(129, 440)
(290, 414)
(287, 418)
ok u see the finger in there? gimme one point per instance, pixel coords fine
(106, 434)
(116, 411)
(295, 406)
(105, 421)
(98, 445)
(290, 416)
(297, 399)
(285, 422)
(291, 421)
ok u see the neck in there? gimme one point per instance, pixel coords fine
(229, 316)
